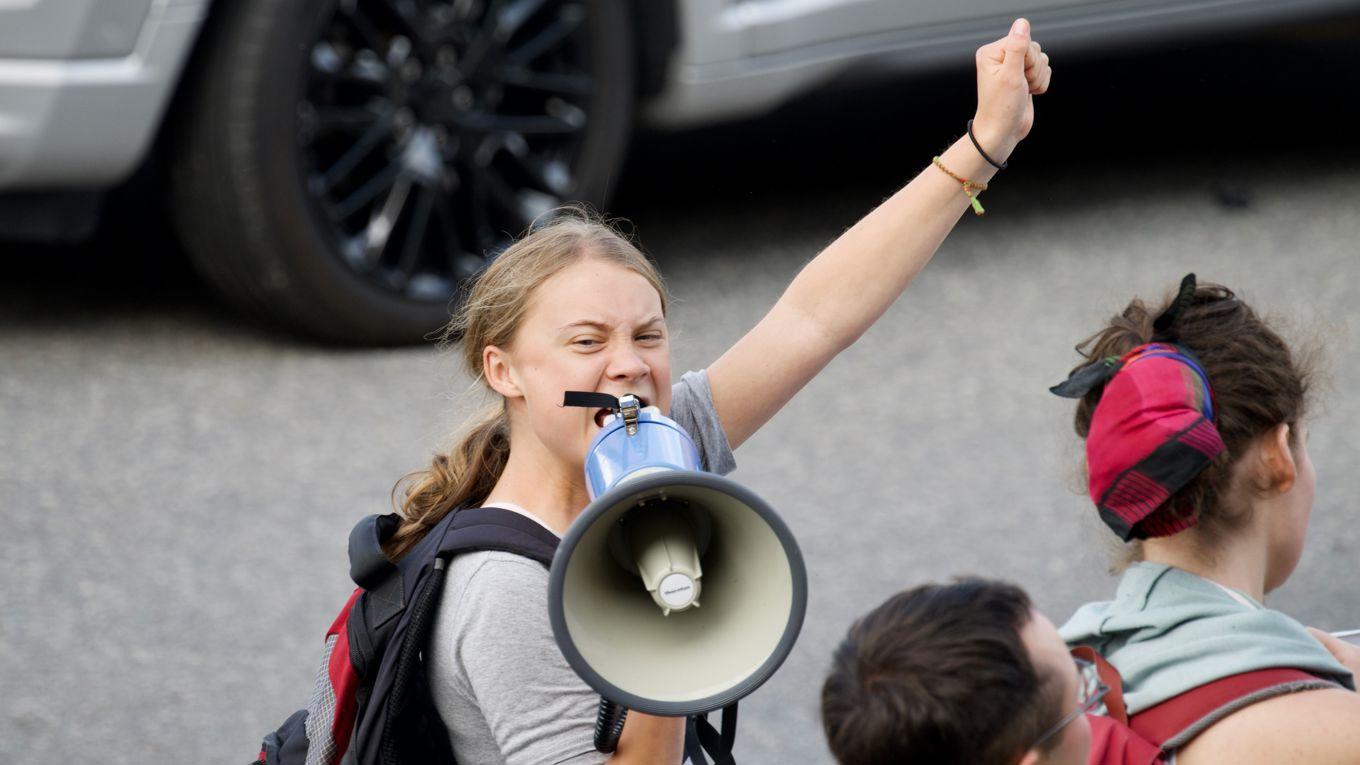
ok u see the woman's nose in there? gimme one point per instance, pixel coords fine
(626, 364)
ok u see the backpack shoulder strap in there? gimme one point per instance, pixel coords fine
(388, 588)
(1114, 696)
(1113, 742)
(1174, 722)
(476, 528)
(491, 528)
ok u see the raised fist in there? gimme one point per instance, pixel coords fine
(1010, 72)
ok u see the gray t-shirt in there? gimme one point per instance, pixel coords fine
(499, 680)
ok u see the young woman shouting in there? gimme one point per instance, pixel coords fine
(574, 306)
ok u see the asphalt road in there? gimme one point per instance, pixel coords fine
(177, 484)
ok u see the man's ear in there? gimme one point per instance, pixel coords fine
(1031, 758)
(1275, 460)
(499, 375)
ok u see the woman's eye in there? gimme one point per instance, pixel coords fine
(586, 342)
(651, 336)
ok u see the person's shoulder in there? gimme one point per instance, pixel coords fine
(693, 410)
(1319, 727)
(691, 391)
(494, 598)
(483, 578)
(493, 568)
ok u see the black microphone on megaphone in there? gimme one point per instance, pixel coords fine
(677, 591)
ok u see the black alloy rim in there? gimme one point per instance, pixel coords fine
(432, 131)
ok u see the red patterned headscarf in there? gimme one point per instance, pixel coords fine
(1151, 432)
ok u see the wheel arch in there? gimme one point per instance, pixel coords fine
(656, 25)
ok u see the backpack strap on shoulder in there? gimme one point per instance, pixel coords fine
(1175, 722)
(1115, 708)
(1112, 740)
(492, 528)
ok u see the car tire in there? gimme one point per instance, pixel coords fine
(252, 159)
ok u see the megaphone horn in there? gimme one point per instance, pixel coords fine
(676, 591)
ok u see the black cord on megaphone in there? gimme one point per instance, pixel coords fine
(609, 725)
(702, 740)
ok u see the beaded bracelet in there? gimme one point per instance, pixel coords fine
(970, 188)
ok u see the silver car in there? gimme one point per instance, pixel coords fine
(342, 166)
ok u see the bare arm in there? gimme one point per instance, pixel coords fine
(846, 288)
(1310, 728)
(649, 740)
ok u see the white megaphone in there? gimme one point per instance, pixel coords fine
(677, 591)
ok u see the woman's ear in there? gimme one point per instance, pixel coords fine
(1275, 460)
(1031, 757)
(499, 375)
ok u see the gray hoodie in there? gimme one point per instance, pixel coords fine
(1168, 631)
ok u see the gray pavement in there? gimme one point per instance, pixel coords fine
(177, 485)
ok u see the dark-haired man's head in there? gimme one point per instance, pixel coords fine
(965, 673)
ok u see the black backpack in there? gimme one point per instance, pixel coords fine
(372, 704)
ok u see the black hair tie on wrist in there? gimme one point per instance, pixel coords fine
(978, 146)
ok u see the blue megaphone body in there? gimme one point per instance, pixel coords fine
(635, 442)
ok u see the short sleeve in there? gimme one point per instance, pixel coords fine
(537, 709)
(692, 408)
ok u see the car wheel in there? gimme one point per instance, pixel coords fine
(343, 167)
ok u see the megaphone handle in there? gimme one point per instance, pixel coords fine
(609, 725)
(701, 737)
